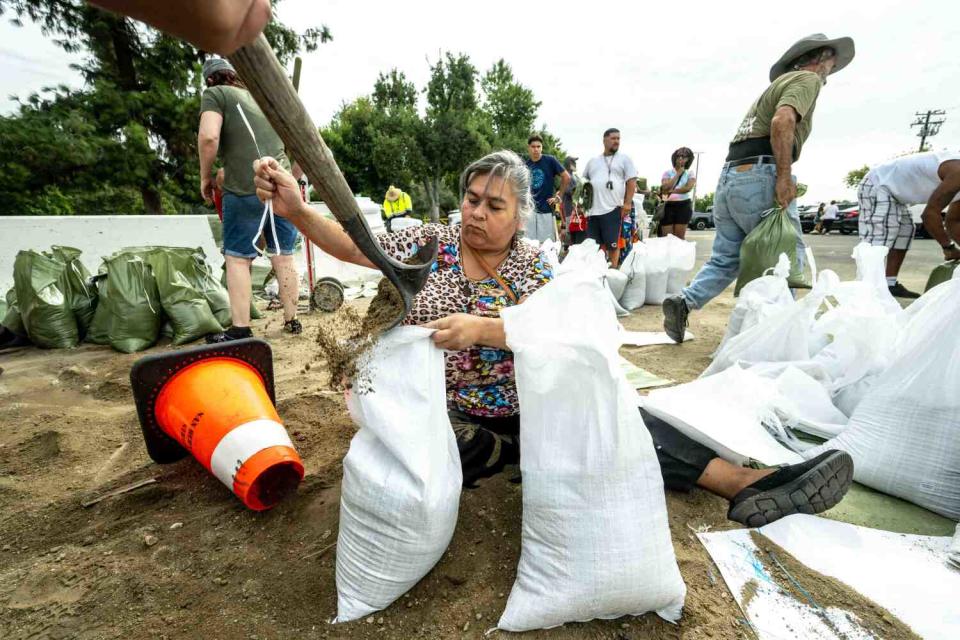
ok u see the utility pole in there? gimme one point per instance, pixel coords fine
(928, 127)
(697, 172)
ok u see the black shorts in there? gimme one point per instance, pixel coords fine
(677, 212)
(605, 228)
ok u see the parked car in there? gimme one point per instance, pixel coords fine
(848, 220)
(701, 220)
(808, 217)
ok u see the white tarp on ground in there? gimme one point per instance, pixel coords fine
(905, 574)
(99, 236)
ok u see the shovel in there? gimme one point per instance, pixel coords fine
(267, 82)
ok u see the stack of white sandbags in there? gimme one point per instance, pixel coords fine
(848, 365)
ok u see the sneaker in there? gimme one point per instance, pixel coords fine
(809, 487)
(900, 291)
(233, 333)
(293, 326)
(675, 312)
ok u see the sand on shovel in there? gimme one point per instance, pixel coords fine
(345, 342)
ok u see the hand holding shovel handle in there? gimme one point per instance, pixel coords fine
(260, 70)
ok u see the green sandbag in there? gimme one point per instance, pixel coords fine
(188, 310)
(210, 288)
(941, 273)
(3, 307)
(44, 306)
(80, 292)
(129, 308)
(99, 330)
(11, 319)
(762, 247)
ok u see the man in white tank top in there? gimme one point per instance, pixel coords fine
(888, 190)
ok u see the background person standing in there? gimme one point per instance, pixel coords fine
(396, 204)
(889, 189)
(614, 180)
(224, 133)
(678, 184)
(544, 170)
(758, 171)
(830, 213)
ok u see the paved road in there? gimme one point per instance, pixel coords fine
(833, 252)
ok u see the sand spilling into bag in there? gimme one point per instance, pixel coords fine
(345, 339)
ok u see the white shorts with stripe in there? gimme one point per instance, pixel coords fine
(884, 220)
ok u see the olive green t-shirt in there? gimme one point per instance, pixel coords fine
(237, 150)
(798, 89)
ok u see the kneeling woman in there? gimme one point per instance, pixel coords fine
(483, 267)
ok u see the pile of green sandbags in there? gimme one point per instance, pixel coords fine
(52, 301)
(139, 294)
(145, 289)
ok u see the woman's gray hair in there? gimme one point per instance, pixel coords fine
(509, 166)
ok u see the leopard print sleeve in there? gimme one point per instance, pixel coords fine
(536, 274)
(404, 244)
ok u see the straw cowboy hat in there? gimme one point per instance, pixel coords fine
(843, 47)
(393, 193)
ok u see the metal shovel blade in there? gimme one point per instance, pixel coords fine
(267, 82)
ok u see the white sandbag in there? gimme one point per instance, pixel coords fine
(904, 436)
(784, 336)
(401, 476)
(683, 256)
(633, 266)
(595, 540)
(617, 281)
(872, 270)
(806, 405)
(656, 266)
(726, 412)
(551, 251)
(759, 299)
(849, 397)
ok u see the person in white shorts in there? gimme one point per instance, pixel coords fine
(888, 190)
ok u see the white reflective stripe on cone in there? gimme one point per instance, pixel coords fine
(242, 443)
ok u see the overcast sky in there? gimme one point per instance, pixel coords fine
(666, 75)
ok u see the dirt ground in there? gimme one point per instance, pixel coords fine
(182, 557)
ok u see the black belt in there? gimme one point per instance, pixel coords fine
(750, 160)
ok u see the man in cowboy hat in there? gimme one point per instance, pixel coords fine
(757, 174)
(396, 204)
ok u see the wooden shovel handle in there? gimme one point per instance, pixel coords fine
(267, 82)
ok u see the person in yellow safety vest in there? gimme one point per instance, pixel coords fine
(396, 204)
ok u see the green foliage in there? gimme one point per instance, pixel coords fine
(855, 177)
(126, 141)
(703, 202)
(385, 139)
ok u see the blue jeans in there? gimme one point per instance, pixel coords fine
(241, 218)
(740, 200)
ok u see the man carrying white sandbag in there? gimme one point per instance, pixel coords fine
(890, 188)
(757, 174)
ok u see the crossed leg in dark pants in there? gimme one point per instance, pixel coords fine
(757, 496)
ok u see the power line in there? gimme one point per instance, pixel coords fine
(928, 127)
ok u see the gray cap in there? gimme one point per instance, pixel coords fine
(212, 65)
(843, 47)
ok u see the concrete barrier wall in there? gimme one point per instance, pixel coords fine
(99, 236)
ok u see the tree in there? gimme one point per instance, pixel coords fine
(453, 133)
(385, 139)
(855, 177)
(704, 202)
(140, 100)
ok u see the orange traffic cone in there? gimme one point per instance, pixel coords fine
(217, 403)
